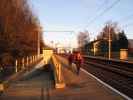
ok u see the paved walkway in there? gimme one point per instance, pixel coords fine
(33, 85)
(82, 87)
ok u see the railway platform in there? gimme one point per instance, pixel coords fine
(82, 87)
(38, 85)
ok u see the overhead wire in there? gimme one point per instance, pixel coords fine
(103, 12)
(126, 18)
(97, 9)
(127, 25)
(106, 10)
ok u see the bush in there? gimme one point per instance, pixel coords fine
(7, 62)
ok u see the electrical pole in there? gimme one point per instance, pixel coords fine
(38, 43)
(109, 44)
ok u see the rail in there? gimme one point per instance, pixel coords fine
(116, 61)
(117, 73)
(117, 66)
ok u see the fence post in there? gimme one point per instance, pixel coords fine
(35, 58)
(27, 60)
(1, 87)
(59, 72)
(57, 68)
(32, 59)
(23, 63)
(1, 81)
(16, 66)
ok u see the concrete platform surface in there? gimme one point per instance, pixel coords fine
(34, 85)
(82, 86)
(38, 85)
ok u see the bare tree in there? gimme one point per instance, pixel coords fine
(83, 38)
(111, 28)
(19, 29)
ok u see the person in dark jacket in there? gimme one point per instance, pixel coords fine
(70, 59)
(78, 61)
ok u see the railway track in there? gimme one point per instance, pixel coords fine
(115, 73)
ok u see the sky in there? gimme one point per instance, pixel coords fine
(74, 16)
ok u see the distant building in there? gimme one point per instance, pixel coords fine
(130, 45)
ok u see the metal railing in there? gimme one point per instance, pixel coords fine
(59, 82)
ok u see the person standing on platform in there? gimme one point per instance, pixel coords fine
(78, 61)
(70, 59)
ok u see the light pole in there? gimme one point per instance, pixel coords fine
(38, 40)
(109, 44)
(52, 44)
(94, 48)
(38, 44)
(70, 41)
